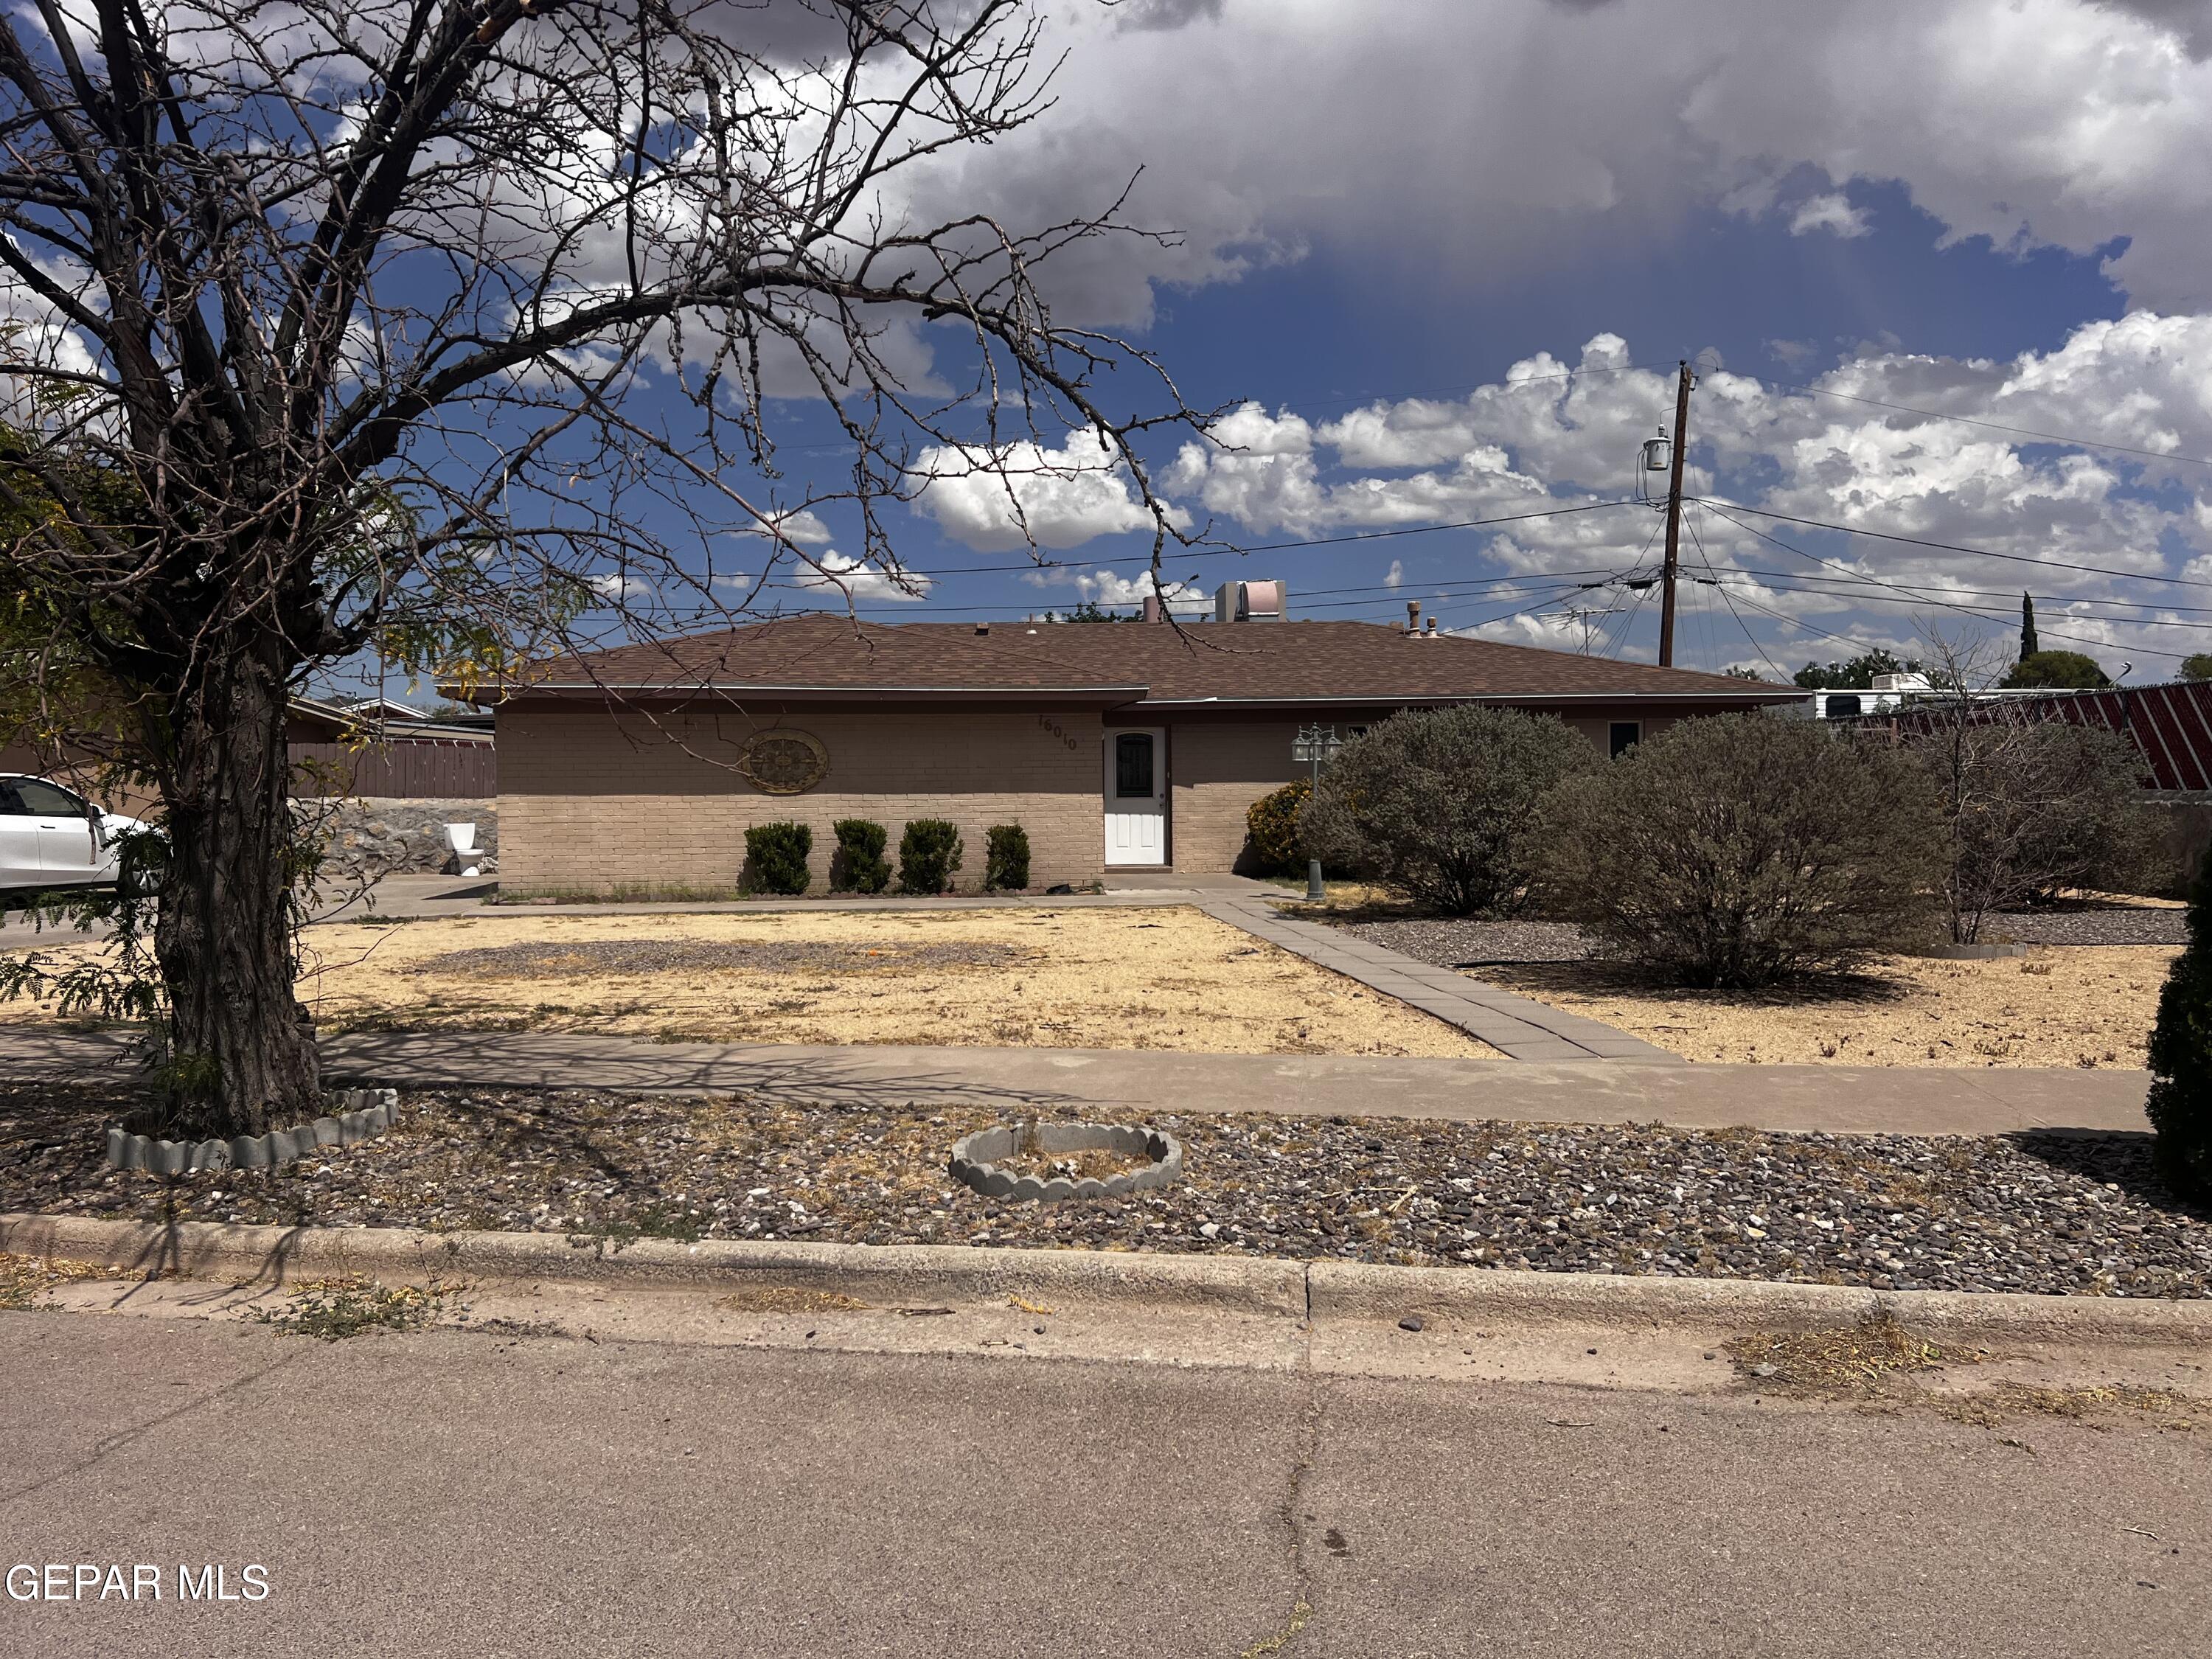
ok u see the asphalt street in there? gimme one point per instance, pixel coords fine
(447, 1493)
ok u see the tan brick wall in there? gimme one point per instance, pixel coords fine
(1218, 768)
(589, 800)
(1216, 771)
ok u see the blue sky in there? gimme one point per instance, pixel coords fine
(1991, 214)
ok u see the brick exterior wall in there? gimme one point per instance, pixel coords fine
(596, 801)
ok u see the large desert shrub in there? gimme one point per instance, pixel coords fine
(1734, 849)
(1439, 804)
(929, 854)
(2031, 805)
(859, 865)
(2180, 1099)
(775, 858)
(1271, 830)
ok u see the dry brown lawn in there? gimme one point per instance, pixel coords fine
(2087, 1006)
(1168, 978)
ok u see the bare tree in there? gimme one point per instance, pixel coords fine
(453, 330)
(2032, 804)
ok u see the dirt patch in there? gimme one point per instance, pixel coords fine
(781, 1299)
(622, 957)
(1168, 978)
(2088, 1007)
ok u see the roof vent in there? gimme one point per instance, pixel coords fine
(1432, 628)
(982, 628)
(1268, 601)
(1413, 616)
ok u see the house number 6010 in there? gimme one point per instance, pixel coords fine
(1053, 727)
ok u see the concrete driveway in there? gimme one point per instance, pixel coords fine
(455, 1493)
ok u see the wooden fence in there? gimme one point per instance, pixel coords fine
(445, 771)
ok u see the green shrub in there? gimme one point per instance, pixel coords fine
(1439, 804)
(1007, 859)
(2180, 1099)
(775, 858)
(1731, 850)
(859, 865)
(1271, 830)
(929, 854)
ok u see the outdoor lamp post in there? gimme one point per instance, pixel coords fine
(1315, 743)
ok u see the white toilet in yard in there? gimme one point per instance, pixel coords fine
(462, 839)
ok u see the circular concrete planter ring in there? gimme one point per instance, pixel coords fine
(972, 1157)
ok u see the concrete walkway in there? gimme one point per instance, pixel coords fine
(1839, 1099)
(1516, 1027)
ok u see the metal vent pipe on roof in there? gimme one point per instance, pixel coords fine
(1413, 616)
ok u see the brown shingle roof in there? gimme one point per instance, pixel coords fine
(1254, 662)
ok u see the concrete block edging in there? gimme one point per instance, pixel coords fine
(357, 1115)
(1318, 1293)
(972, 1166)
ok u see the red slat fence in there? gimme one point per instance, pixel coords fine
(419, 767)
(2170, 724)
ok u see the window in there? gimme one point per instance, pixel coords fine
(1843, 705)
(1625, 736)
(1133, 765)
(41, 800)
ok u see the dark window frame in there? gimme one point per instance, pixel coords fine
(1614, 744)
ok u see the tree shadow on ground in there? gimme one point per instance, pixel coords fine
(1598, 977)
(2119, 1157)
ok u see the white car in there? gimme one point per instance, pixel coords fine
(51, 837)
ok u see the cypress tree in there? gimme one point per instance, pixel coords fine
(2180, 1101)
(2028, 646)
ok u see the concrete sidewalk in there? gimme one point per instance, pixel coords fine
(1840, 1099)
(1517, 1027)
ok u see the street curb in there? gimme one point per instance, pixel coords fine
(876, 1273)
(1324, 1292)
(1361, 1291)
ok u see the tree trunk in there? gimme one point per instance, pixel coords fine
(242, 1058)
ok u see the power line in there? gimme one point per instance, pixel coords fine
(1944, 547)
(1915, 598)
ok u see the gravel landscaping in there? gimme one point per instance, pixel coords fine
(1465, 942)
(2060, 1214)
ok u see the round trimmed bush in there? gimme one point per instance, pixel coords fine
(1271, 830)
(775, 858)
(1439, 803)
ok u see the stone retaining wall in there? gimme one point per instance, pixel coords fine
(383, 835)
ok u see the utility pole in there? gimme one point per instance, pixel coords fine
(1674, 517)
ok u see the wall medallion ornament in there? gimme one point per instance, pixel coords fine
(783, 762)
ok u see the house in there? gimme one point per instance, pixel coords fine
(1117, 747)
(376, 747)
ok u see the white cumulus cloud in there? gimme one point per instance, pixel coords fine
(1026, 494)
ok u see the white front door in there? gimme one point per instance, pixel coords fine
(1136, 797)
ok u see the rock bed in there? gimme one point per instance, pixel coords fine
(1460, 941)
(2115, 924)
(2055, 1214)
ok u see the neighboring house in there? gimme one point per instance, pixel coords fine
(2171, 724)
(375, 747)
(1126, 745)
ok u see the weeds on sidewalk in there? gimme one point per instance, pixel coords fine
(779, 1298)
(333, 1309)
